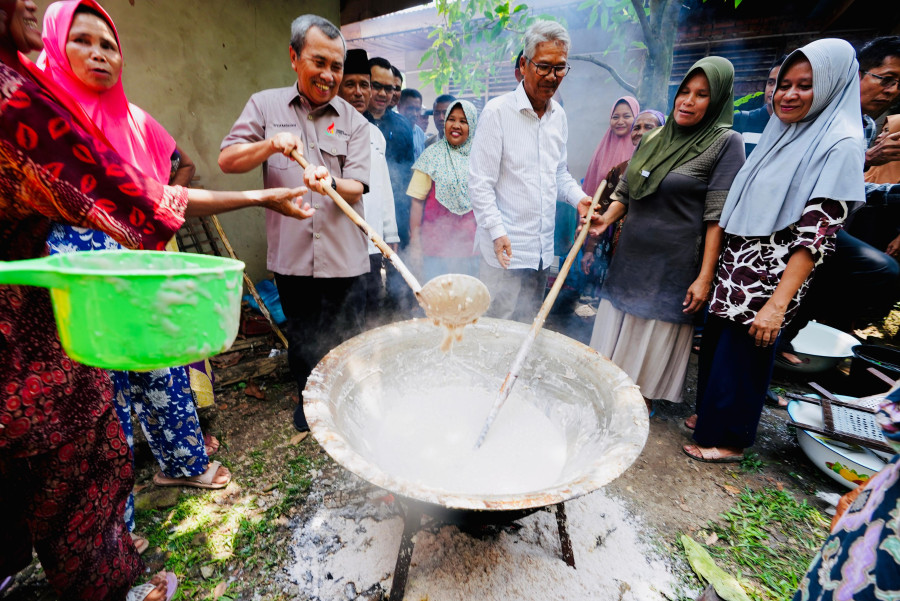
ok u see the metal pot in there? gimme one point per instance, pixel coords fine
(595, 404)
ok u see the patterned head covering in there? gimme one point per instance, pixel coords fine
(611, 150)
(448, 165)
(822, 156)
(660, 118)
(671, 145)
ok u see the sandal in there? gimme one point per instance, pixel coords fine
(710, 454)
(140, 543)
(139, 593)
(210, 444)
(691, 422)
(204, 480)
(5, 583)
(774, 398)
(695, 345)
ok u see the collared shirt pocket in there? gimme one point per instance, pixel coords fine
(334, 154)
(279, 161)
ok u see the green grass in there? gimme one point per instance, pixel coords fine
(770, 538)
(227, 531)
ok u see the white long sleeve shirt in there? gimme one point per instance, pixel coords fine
(517, 172)
(378, 203)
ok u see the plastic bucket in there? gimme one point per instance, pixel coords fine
(137, 310)
(883, 358)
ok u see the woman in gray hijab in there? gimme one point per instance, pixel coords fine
(782, 213)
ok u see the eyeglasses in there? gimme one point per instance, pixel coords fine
(885, 82)
(380, 86)
(544, 69)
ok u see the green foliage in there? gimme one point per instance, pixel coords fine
(475, 38)
(771, 538)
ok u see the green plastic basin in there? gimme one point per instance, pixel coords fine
(137, 310)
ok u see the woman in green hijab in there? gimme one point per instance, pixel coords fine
(662, 272)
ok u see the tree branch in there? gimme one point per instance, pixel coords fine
(638, 6)
(615, 75)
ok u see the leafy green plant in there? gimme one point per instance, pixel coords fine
(771, 538)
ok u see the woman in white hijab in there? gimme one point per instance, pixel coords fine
(783, 210)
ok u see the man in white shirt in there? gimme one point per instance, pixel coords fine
(517, 171)
(378, 202)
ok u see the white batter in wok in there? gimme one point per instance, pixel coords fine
(428, 437)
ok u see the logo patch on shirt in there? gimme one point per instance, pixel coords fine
(330, 129)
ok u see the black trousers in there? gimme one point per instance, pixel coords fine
(733, 377)
(857, 282)
(321, 313)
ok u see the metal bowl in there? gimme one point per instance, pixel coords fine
(820, 348)
(587, 397)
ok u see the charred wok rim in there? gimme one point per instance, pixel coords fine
(597, 474)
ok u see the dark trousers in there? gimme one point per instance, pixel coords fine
(733, 377)
(321, 313)
(69, 504)
(858, 281)
(375, 293)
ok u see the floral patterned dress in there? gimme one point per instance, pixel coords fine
(860, 560)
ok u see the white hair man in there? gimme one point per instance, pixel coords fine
(517, 172)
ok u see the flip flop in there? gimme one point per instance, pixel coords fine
(711, 455)
(139, 593)
(210, 444)
(5, 583)
(204, 480)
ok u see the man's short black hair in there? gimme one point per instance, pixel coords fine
(873, 53)
(777, 62)
(444, 98)
(396, 72)
(519, 58)
(410, 93)
(377, 61)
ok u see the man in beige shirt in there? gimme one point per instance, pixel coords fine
(318, 263)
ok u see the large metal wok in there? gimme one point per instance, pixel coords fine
(588, 398)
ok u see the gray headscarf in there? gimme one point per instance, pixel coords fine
(822, 156)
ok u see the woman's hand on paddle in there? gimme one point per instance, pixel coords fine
(288, 202)
(697, 295)
(767, 325)
(503, 250)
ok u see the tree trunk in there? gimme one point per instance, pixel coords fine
(653, 89)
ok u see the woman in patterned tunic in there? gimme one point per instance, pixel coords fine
(782, 213)
(76, 35)
(65, 467)
(662, 271)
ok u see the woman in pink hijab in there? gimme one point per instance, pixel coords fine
(615, 146)
(91, 74)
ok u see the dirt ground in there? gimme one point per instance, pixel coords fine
(669, 491)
